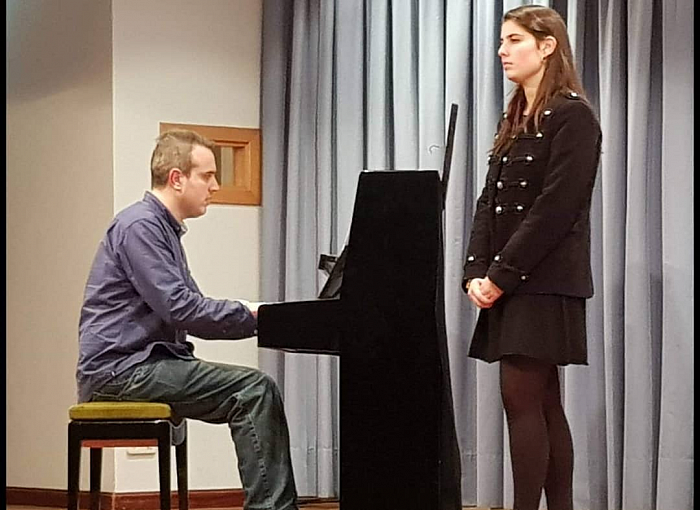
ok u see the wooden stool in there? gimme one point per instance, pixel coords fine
(100, 425)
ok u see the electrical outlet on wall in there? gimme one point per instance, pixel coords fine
(142, 450)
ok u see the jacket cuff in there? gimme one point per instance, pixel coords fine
(505, 276)
(474, 267)
(465, 281)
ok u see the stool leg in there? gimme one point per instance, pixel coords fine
(164, 465)
(181, 461)
(95, 477)
(73, 465)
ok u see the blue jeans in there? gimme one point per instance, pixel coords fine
(245, 398)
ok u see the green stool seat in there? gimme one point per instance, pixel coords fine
(99, 425)
(120, 411)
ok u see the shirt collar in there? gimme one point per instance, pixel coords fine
(179, 228)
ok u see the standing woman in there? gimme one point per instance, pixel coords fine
(528, 263)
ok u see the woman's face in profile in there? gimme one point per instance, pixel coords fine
(520, 54)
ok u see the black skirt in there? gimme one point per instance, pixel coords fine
(543, 326)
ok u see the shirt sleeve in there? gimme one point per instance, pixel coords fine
(157, 275)
(566, 192)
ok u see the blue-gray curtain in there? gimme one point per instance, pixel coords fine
(351, 85)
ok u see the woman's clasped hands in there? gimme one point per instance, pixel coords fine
(483, 292)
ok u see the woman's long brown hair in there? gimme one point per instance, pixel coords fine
(559, 77)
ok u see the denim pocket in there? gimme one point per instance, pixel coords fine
(140, 373)
(115, 387)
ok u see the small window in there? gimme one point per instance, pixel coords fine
(237, 156)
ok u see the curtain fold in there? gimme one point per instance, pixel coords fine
(349, 85)
(675, 455)
(460, 316)
(379, 118)
(610, 339)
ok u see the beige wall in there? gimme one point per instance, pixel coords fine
(88, 83)
(59, 199)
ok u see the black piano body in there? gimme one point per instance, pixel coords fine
(398, 444)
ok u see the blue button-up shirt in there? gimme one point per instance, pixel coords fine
(141, 300)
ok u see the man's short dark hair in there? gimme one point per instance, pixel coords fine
(174, 150)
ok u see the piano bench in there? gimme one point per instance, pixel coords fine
(98, 425)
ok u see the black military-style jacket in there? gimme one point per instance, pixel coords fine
(531, 229)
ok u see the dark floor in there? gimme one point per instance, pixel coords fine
(307, 506)
(304, 506)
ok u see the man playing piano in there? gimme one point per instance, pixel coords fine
(140, 304)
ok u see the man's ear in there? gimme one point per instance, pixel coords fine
(547, 46)
(175, 179)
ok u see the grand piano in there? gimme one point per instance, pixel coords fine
(385, 318)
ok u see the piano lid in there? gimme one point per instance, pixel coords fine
(449, 145)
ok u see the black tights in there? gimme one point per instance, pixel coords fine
(541, 449)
